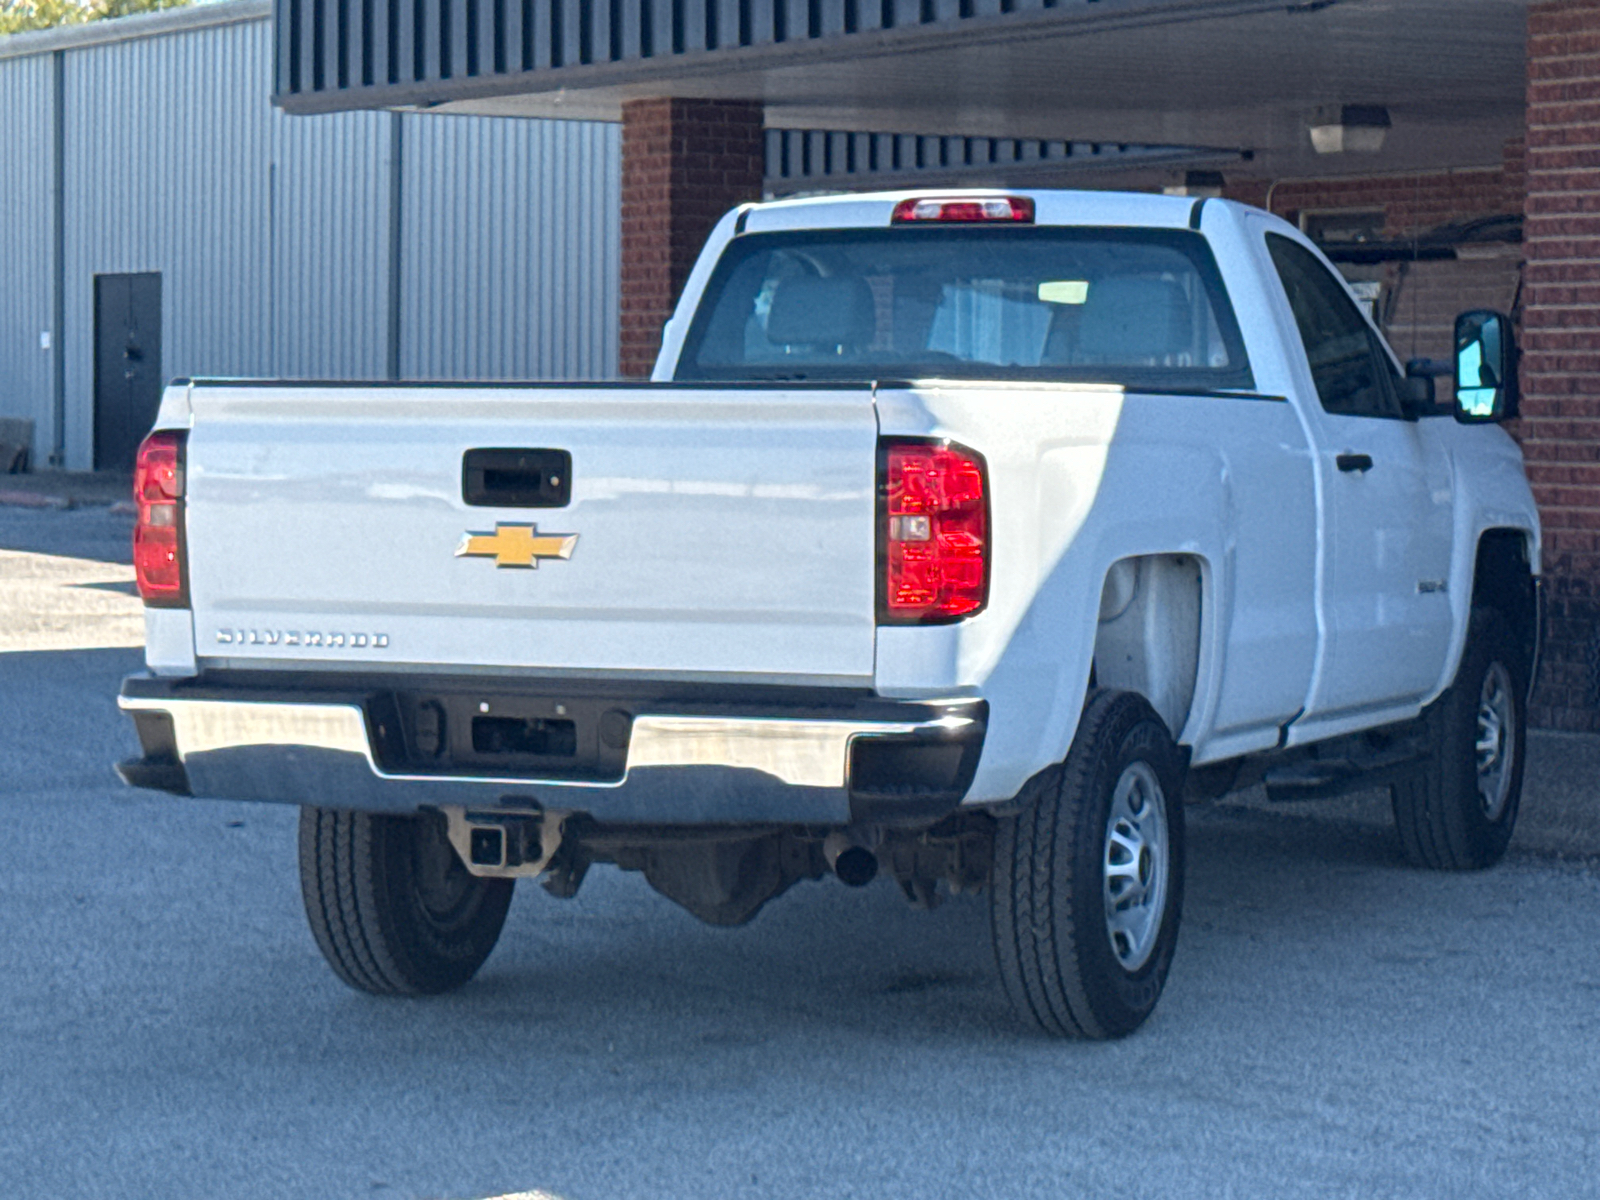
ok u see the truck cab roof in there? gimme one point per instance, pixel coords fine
(1051, 207)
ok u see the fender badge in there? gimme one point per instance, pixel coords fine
(516, 545)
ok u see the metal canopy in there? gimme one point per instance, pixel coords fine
(809, 160)
(1231, 74)
(348, 53)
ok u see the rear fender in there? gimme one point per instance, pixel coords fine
(1147, 638)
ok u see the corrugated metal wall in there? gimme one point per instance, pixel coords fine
(498, 276)
(26, 152)
(166, 170)
(276, 237)
(330, 246)
(336, 54)
(802, 160)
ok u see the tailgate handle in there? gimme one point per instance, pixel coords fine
(506, 478)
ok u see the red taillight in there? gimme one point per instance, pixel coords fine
(158, 534)
(1017, 210)
(934, 525)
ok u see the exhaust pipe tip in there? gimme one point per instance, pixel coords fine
(856, 866)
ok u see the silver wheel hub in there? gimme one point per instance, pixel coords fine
(1496, 744)
(1137, 860)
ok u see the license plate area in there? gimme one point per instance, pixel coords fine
(499, 735)
(533, 737)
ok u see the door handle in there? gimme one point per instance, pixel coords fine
(517, 478)
(1354, 462)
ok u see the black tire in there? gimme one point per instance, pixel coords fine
(393, 910)
(1445, 819)
(1049, 884)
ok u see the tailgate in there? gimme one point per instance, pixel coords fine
(719, 532)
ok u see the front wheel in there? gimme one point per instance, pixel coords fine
(1458, 812)
(1087, 881)
(393, 909)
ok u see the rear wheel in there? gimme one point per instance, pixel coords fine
(1087, 881)
(1459, 811)
(393, 909)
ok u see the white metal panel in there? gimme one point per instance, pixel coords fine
(721, 532)
(1081, 477)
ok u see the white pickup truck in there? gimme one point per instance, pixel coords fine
(953, 532)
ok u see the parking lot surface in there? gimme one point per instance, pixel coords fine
(1336, 1024)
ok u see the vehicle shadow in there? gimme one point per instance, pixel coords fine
(156, 947)
(623, 967)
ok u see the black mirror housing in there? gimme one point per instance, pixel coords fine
(1485, 368)
(1419, 394)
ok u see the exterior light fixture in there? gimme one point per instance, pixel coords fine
(1359, 128)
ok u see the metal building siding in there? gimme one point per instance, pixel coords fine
(802, 160)
(511, 259)
(26, 166)
(328, 285)
(167, 170)
(272, 234)
(334, 54)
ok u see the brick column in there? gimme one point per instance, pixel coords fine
(684, 164)
(1560, 429)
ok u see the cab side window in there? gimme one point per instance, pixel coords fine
(1353, 375)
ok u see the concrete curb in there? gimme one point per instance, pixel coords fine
(58, 490)
(35, 500)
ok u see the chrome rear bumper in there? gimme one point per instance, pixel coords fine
(681, 767)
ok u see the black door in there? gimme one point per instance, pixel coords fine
(127, 366)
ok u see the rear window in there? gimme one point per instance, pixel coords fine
(1144, 308)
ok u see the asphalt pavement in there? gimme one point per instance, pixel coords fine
(1336, 1023)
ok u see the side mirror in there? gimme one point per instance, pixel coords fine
(1486, 369)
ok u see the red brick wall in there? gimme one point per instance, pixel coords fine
(1420, 300)
(1560, 429)
(684, 164)
(1554, 177)
(1412, 203)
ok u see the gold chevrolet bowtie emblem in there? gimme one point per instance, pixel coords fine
(516, 545)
